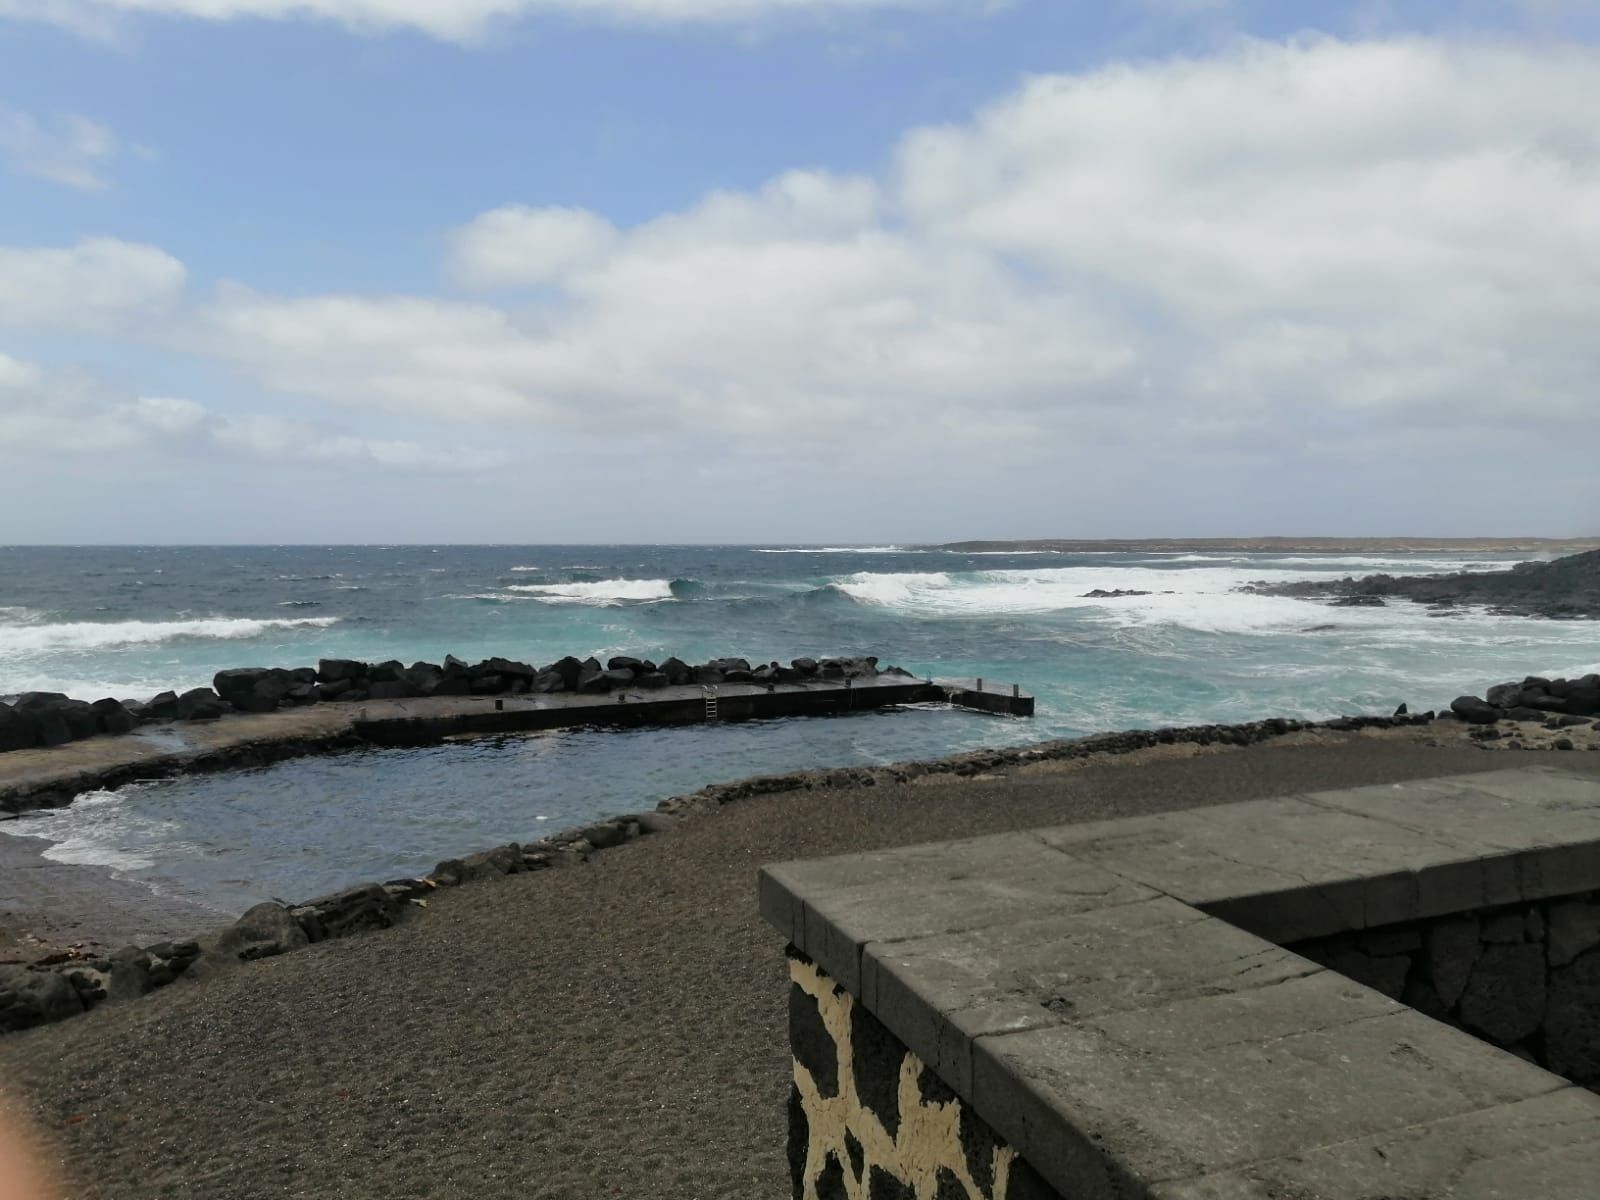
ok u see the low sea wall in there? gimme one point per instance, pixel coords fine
(1208, 1004)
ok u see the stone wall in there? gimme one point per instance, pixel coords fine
(868, 1120)
(1525, 977)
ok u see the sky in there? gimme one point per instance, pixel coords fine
(797, 270)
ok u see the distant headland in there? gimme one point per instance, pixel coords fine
(1286, 545)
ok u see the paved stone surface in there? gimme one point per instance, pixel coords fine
(1548, 1146)
(937, 994)
(1325, 870)
(895, 895)
(1162, 1094)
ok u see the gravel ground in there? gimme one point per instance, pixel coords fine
(614, 1029)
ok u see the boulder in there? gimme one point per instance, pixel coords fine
(509, 669)
(623, 662)
(387, 672)
(389, 689)
(454, 666)
(1505, 695)
(707, 676)
(1474, 711)
(47, 712)
(29, 998)
(369, 906)
(604, 834)
(16, 730)
(200, 704)
(423, 678)
(130, 974)
(112, 717)
(263, 931)
(265, 694)
(1583, 701)
(1543, 701)
(239, 683)
(80, 718)
(163, 706)
(487, 685)
(731, 664)
(546, 682)
(333, 691)
(502, 860)
(332, 670)
(806, 666)
(569, 670)
(305, 675)
(605, 681)
(677, 672)
(301, 694)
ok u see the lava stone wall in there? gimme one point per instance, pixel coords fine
(1524, 977)
(868, 1121)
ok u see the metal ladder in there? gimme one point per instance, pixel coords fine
(711, 704)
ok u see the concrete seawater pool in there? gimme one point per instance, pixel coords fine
(307, 826)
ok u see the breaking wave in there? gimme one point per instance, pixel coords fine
(99, 635)
(602, 592)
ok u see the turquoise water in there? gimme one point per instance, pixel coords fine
(131, 621)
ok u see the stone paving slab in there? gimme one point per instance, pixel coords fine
(1325, 870)
(937, 994)
(1548, 1146)
(1157, 1097)
(894, 895)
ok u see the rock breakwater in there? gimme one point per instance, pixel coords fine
(51, 718)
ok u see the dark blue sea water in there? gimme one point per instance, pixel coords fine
(131, 621)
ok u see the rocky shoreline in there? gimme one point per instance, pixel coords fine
(1562, 589)
(38, 719)
(74, 982)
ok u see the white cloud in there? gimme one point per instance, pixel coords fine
(1285, 245)
(97, 284)
(73, 150)
(451, 20)
(65, 413)
(1320, 249)
(520, 245)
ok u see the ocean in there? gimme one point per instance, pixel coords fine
(129, 622)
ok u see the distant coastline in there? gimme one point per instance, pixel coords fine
(1297, 545)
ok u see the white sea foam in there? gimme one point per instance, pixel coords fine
(100, 635)
(843, 550)
(1201, 599)
(601, 592)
